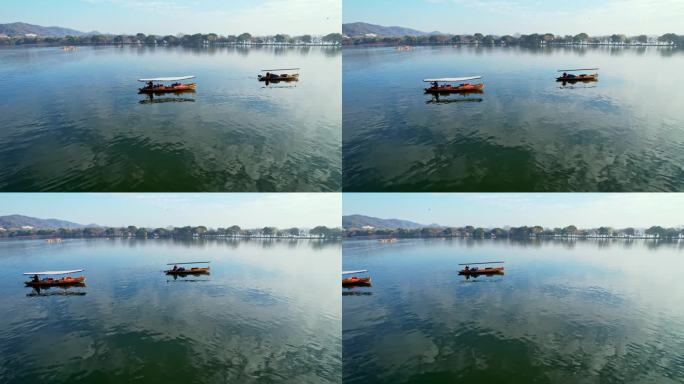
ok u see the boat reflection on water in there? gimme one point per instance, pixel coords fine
(155, 98)
(64, 290)
(460, 97)
(356, 293)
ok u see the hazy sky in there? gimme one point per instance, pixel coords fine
(599, 17)
(164, 17)
(586, 210)
(248, 210)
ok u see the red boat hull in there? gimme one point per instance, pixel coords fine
(484, 271)
(356, 282)
(169, 89)
(191, 271)
(457, 89)
(56, 282)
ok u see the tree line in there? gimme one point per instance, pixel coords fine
(180, 39)
(132, 231)
(571, 231)
(535, 39)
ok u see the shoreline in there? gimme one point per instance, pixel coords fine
(554, 45)
(574, 238)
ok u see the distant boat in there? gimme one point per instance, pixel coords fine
(482, 271)
(181, 271)
(276, 75)
(51, 282)
(446, 85)
(569, 77)
(155, 85)
(355, 281)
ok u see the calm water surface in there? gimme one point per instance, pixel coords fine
(73, 121)
(525, 132)
(253, 320)
(564, 312)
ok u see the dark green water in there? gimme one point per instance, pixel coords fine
(253, 320)
(564, 312)
(525, 132)
(73, 121)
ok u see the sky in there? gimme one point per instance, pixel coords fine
(214, 210)
(585, 210)
(499, 17)
(170, 17)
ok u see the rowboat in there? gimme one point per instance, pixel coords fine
(569, 77)
(155, 85)
(355, 281)
(181, 271)
(274, 75)
(446, 85)
(476, 271)
(52, 282)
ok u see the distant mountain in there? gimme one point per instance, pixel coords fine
(20, 29)
(18, 221)
(360, 29)
(358, 221)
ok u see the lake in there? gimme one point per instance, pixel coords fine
(564, 312)
(73, 121)
(525, 132)
(270, 312)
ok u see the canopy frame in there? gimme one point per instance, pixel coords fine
(487, 262)
(166, 79)
(190, 262)
(452, 79)
(353, 272)
(579, 69)
(280, 69)
(54, 272)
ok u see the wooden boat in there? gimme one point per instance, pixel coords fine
(355, 281)
(568, 77)
(180, 271)
(445, 85)
(155, 85)
(52, 282)
(188, 271)
(272, 77)
(482, 271)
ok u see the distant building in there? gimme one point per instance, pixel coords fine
(2, 229)
(27, 227)
(368, 227)
(3, 36)
(30, 35)
(370, 35)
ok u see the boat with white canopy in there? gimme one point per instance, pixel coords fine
(157, 85)
(279, 74)
(181, 271)
(49, 281)
(454, 85)
(570, 77)
(355, 281)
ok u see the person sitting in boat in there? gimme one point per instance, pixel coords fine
(435, 84)
(467, 268)
(35, 279)
(150, 84)
(174, 269)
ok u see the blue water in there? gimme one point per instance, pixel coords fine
(253, 320)
(73, 121)
(564, 312)
(526, 132)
